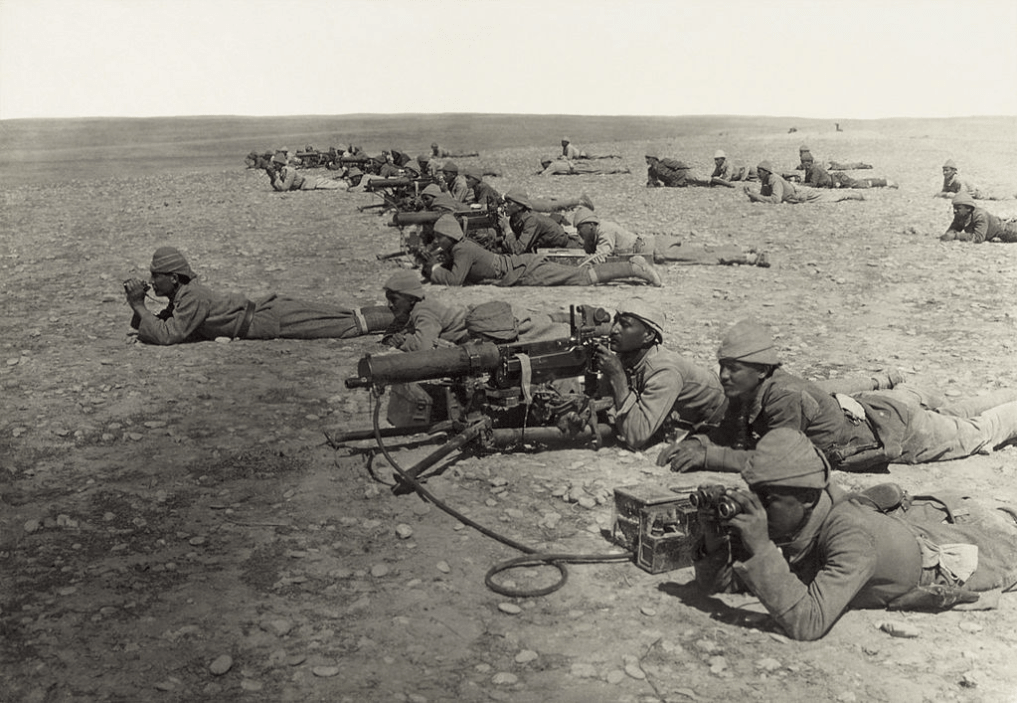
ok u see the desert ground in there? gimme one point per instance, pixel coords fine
(174, 525)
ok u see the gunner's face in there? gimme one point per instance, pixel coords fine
(629, 334)
(739, 379)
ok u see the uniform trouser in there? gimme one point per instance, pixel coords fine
(548, 273)
(672, 250)
(938, 431)
(1008, 231)
(320, 183)
(845, 181)
(300, 319)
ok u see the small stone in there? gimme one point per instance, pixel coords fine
(277, 627)
(971, 626)
(403, 531)
(504, 678)
(296, 659)
(582, 670)
(648, 611)
(251, 685)
(196, 541)
(32, 526)
(635, 672)
(768, 664)
(510, 608)
(379, 570)
(525, 656)
(899, 629)
(443, 567)
(588, 502)
(165, 686)
(615, 676)
(421, 509)
(325, 672)
(221, 665)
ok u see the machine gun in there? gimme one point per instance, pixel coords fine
(490, 396)
(317, 159)
(420, 245)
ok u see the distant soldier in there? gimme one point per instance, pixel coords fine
(670, 173)
(953, 183)
(774, 190)
(973, 224)
(726, 172)
(569, 152)
(456, 183)
(563, 167)
(285, 178)
(818, 177)
(602, 238)
(471, 263)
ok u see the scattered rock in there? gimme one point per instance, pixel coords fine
(504, 678)
(899, 629)
(403, 531)
(510, 608)
(221, 665)
(525, 656)
(615, 676)
(325, 672)
(379, 570)
(443, 567)
(278, 627)
(635, 672)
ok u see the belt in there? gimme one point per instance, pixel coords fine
(245, 324)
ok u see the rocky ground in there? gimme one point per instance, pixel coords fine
(175, 527)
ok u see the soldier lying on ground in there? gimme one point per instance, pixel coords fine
(602, 238)
(422, 323)
(809, 551)
(486, 195)
(726, 172)
(563, 167)
(286, 178)
(529, 231)
(669, 173)
(857, 432)
(805, 154)
(471, 263)
(973, 224)
(953, 183)
(817, 177)
(196, 312)
(774, 190)
(660, 396)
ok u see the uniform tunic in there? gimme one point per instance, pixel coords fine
(471, 263)
(980, 226)
(848, 555)
(288, 178)
(955, 184)
(535, 231)
(430, 321)
(899, 426)
(197, 312)
(665, 392)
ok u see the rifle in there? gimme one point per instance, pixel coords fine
(491, 396)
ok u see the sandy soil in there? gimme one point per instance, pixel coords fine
(164, 509)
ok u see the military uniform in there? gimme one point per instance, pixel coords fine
(666, 391)
(197, 312)
(288, 178)
(980, 226)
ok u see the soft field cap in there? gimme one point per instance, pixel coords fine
(786, 457)
(407, 282)
(750, 342)
(170, 260)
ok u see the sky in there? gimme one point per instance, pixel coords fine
(830, 59)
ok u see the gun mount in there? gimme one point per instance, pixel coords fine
(493, 396)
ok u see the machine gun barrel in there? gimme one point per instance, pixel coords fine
(425, 365)
(382, 183)
(468, 219)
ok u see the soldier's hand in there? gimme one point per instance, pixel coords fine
(689, 456)
(135, 289)
(608, 362)
(751, 522)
